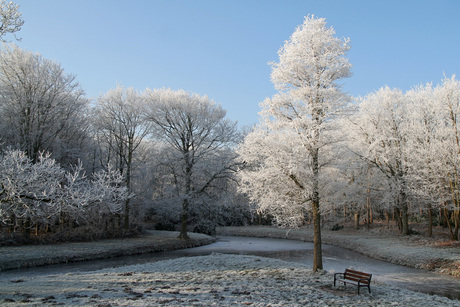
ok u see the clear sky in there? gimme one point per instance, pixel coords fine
(221, 48)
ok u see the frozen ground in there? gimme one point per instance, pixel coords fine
(214, 280)
(15, 257)
(237, 280)
(438, 253)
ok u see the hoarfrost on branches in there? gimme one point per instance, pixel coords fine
(42, 191)
(198, 142)
(43, 109)
(121, 129)
(295, 133)
(381, 134)
(10, 19)
(413, 138)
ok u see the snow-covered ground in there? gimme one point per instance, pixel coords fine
(438, 253)
(229, 280)
(15, 257)
(214, 280)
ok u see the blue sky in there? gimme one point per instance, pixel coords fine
(221, 48)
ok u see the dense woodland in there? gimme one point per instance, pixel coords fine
(79, 168)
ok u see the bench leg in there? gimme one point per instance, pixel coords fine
(368, 288)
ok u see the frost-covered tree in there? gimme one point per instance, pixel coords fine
(10, 19)
(448, 97)
(435, 148)
(277, 176)
(412, 138)
(198, 140)
(42, 108)
(310, 65)
(424, 118)
(380, 132)
(43, 193)
(356, 186)
(121, 129)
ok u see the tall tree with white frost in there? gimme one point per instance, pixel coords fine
(43, 108)
(448, 98)
(119, 121)
(310, 64)
(199, 137)
(382, 133)
(435, 147)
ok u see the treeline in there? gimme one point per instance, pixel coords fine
(320, 154)
(171, 150)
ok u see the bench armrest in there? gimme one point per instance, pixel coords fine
(335, 275)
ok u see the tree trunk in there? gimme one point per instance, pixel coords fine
(188, 189)
(369, 209)
(356, 220)
(183, 227)
(397, 215)
(317, 251)
(456, 216)
(369, 218)
(13, 222)
(449, 225)
(128, 181)
(404, 209)
(317, 248)
(441, 219)
(126, 215)
(430, 221)
(405, 220)
(26, 230)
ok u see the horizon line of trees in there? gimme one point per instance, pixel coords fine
(172, 149)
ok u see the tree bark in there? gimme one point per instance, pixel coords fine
(405, 220)
(449, 225)
(26, 229)
(456, 216)
(404, 209)
(126, 215)
(188, 189)
(317, 248)
(397, 214)
(317, 251)
(183, 227)
(430, 221)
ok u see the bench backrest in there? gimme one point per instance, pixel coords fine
(357, 275)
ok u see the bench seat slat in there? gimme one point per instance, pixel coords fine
(357, 279)
(357, 274)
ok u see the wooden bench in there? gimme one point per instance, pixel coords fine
(357, 278)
